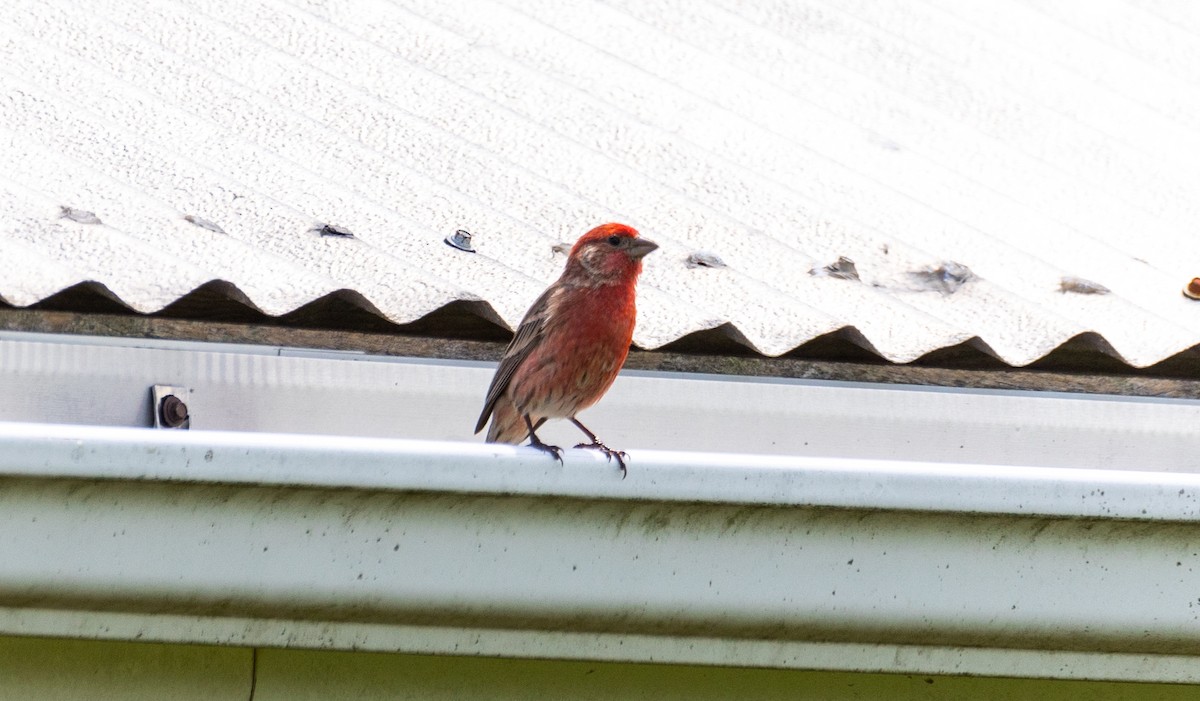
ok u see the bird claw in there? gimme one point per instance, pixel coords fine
(545, 448)
(609, 453)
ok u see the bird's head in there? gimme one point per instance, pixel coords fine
(609, 253)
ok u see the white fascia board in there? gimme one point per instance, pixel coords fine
(419, 546)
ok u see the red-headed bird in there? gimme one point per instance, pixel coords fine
(571, 343)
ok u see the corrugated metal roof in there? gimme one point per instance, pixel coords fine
(1027, 141)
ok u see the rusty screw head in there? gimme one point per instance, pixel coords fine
(1193, 288)
(172, 411)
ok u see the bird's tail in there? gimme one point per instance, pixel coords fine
(508, 426)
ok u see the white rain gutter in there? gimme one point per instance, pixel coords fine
(434, 547)
(875, 528)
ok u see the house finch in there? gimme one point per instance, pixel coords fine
(571, 344)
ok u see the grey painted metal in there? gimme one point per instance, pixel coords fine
(336, 542)
(196, 142)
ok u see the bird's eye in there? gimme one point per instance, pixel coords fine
(614, 240)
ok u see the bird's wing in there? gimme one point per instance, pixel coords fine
(529, 331)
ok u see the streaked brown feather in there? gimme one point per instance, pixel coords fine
(529, 331)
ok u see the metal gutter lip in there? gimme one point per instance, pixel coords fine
(53, 451)
(221, 537)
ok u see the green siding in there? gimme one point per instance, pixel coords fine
(54, 669)
(37, 669)
(301, 675)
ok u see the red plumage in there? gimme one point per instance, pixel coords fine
(571, 343)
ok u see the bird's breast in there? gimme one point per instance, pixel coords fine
(584, 346)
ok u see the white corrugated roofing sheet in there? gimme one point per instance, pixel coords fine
(1027, 141)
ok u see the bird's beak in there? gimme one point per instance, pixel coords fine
(639, 247)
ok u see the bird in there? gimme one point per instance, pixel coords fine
(571, 344)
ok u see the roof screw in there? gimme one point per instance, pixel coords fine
(81, 216)
(334, 230)
(842, 269)
(704, 259)
(169, 410)
(1193, 288)
(461, 240)
(1078, 285)
(173, 411)
(203, 223)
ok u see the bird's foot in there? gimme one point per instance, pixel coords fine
(618, 455)
(545, 448)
